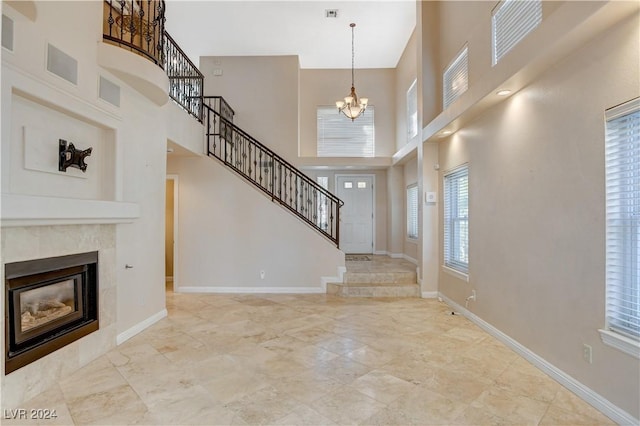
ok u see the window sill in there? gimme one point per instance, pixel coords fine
(457, 274)
(620, 342)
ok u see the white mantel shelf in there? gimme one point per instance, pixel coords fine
(29, 210)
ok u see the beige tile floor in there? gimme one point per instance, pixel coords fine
(312, 359)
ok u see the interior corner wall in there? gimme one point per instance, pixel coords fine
(395, 210)
(322, 87)
(229, 231)
(429, 56)
(263, 92)
(406, 74)
(537, 212)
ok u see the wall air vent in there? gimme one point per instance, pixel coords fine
(62, 64)
(109, 91)
(331, 13)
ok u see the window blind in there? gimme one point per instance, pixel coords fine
(412, 212)
(338, 136)
(456, 219)
(412, 111)
(622, 165)
(511, 21)
(456, 78)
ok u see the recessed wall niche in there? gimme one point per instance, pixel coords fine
(34, 151)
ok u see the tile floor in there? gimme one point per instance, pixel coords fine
(312, 359)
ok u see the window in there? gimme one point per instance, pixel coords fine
(323, 204)
(412, 212)
(511, 21)
(456, 220)
(412, 111)
(338, 136)
(456, 78)
(622, 165)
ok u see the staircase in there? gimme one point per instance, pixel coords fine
(379, 277)
(270, 173)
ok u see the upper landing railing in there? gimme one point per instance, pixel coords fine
(138, 25)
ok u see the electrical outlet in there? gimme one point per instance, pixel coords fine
(473, 295)
(262, 274)
(587, 353)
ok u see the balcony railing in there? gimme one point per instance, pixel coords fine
(137, 25)
(185, 79)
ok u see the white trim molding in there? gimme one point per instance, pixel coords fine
(591, 397)
(141, 326)
(457, 274)
(252, 290)
(620, 342)
(337, 279)
(429, 294)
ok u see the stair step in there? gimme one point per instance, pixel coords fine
(373, 290)
(380, 277)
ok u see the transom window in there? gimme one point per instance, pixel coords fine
(456, 78)
(338, 136)
(511, 21)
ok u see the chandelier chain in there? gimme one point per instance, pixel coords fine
(353, 55)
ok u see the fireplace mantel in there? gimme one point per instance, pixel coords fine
(28, 210)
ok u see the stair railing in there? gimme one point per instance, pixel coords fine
(269, 172)
(186, 82)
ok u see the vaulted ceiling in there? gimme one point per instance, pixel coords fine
(257, 28)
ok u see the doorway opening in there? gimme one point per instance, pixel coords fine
(171, 233)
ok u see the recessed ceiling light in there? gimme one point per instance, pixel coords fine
(169, 150)
(503, 92)
(446, 132)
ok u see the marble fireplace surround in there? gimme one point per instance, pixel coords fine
(37, 238)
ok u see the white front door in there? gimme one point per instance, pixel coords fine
(356, 216)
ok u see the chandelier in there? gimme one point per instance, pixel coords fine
(351, 106)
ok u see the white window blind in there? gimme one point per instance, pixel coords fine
(622, 165)
(511, 21)
(412, 111)
(338, 136)
(412, 212)
(456, 219)
(456, 78)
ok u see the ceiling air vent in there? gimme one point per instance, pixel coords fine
(331, 13)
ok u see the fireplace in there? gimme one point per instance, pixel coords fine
(49, 303)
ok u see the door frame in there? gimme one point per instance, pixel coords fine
(176, 203)
(373, 201)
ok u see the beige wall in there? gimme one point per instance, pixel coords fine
(537, 243)
(230, 231)
(263, 91)
(325, 87)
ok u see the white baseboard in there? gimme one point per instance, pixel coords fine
(396, 255)
(429, 294)
(128, 334)
(252, 290)
(337, 279)
(609, 409)
(381, 253)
